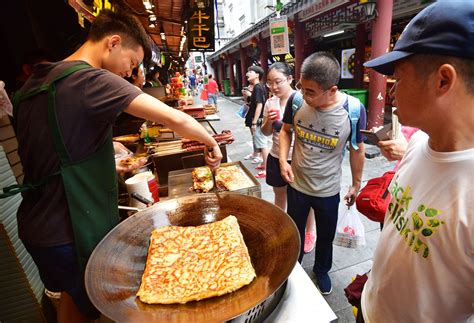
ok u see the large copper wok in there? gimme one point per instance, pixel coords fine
(114, 270)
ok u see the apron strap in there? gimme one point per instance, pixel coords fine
(15, 189)
(58, 141)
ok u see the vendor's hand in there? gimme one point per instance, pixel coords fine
(121, 170)
(120, 149)
(351, 195)
(393, 149)
(286, 172)
(253, 128)
(213, 156)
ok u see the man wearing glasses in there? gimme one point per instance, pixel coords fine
(322, 127)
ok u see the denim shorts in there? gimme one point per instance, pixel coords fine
(273, 177)
(211, 98)
(260, 141)
(59, 271)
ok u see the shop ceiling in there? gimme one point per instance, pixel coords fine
(164, 21)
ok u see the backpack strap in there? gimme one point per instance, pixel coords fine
(353, 105)
(296, 102)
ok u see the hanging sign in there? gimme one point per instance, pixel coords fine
(201, 26)
(318, 7)
(279, 35)
(347, 63)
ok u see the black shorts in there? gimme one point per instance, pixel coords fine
(273, 177)
(59, 271)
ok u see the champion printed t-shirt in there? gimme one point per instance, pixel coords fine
(320, 137)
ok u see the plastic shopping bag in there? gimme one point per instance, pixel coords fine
(244, 109)
(350, 231)
(204, 95)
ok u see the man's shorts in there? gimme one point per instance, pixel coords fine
(211, 98)
(259, 139)
(273, 177)
(59, 271)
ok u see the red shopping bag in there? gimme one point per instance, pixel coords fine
(203, 95)
(374, 198)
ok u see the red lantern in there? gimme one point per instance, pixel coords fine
(254, 42)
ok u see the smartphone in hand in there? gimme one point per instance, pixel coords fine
(373, 137)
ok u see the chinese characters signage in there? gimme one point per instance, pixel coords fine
(201, 26)
(318, 7)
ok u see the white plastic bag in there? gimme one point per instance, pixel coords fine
(244, 109)
(350, 231)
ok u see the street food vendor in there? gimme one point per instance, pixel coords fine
(63, 117)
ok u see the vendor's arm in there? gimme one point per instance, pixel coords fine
(147, 107)
(356, 158)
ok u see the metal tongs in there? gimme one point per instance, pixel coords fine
(139, 198)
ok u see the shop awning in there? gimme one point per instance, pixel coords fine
(164, 21)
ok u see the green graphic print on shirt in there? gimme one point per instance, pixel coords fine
(419, 226)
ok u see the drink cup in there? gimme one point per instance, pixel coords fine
(277, 115)
(153, 187)
(274, 106)
(139, 184)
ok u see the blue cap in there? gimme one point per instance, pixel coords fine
(443, 28)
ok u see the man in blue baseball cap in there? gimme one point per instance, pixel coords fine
(423, 266)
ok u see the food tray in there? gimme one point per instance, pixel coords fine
(180, 181)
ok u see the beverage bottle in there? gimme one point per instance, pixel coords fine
(146, 137)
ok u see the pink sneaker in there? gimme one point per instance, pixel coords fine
(257, 160)
(309, 241)
(261, 174)
(260, 167)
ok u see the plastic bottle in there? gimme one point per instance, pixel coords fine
(146, 137)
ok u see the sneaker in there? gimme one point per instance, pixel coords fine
(249, 156)
(260, 167)
(261, 174)
(257, 160)
(324, 284)
(309, 241)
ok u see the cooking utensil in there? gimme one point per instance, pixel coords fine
(141, 198)
(114, 271)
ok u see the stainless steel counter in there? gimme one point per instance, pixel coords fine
(302, 302)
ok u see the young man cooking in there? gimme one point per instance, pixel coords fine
(64, 116)
(322, 128)
(423, 266)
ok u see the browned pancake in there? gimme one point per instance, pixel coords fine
(192, 263)
(231, 178)
(202, 179)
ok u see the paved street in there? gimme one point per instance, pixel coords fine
(346, 262)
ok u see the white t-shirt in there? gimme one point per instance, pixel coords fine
(275, 150)
(423, 267)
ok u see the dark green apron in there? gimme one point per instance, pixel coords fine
(90, 184)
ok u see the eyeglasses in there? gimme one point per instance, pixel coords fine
(277, 83)
(310, 96)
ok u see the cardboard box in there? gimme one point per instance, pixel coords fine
(195, 112)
